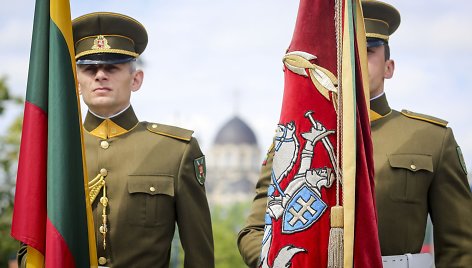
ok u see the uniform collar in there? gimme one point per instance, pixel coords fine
(379, 107)
(111, 127)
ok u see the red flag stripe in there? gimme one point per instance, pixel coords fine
(30, 217)
(58, 253)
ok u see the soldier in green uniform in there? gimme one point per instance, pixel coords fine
(419, 170)
(144, 177)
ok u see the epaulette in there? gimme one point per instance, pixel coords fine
(170, 131)
(426, 118)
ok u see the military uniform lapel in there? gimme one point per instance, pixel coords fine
(111, 127)
(379, 108)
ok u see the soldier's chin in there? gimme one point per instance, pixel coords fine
(102, 106)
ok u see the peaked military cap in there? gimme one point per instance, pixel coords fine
(107, 38)
(381, 20)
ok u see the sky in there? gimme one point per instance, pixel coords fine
(207, 61)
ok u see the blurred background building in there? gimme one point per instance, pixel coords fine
(233, 164)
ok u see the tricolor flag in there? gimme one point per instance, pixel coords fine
(321, 207)
(51, 212)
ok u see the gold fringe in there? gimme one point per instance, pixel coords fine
(336, 238)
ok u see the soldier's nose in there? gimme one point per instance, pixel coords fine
(101, 74)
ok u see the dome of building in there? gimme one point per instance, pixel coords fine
(235, 131)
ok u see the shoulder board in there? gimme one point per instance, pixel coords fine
(423, 117)
(170, 131)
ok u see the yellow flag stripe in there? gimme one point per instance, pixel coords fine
(34, 258)
(349, 133)
(60, 15)
(349, 111)
(362, 50)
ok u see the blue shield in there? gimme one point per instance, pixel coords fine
(304, 209)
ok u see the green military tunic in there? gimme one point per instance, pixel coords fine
(418, 170)
(152, 180)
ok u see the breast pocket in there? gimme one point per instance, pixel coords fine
(151, 200)
(412, 174)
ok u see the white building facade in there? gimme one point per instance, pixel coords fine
(233, 164)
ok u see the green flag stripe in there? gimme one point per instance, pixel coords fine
(66, 194)
(37, 88)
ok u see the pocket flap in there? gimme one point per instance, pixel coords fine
(412, 162)
(151, 184)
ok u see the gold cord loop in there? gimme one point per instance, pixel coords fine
(94, 187)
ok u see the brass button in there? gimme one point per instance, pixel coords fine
(104, 144)
(102, 260)
(413, 167)
(154, 126)
(103, 172)
(152, 189)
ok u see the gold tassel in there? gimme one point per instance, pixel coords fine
(95, 186)
(336, 238)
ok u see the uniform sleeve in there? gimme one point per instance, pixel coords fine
(193, 213)
(250, 237)
(451, 208)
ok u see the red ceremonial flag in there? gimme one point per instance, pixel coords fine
(52, 215)
(321, 208)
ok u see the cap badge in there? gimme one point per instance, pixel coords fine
(100, 43)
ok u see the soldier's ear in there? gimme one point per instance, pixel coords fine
(137, 80)
(78, 88)
(389, 69)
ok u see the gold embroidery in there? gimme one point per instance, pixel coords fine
(100, 43)
(324, 81)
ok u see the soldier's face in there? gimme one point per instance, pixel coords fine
(106, 88)
(379, 69)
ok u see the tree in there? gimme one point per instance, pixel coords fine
(227, 221)
(8, 246)
(9, 148)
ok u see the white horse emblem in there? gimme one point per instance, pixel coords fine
(286, 151)
(299, 204)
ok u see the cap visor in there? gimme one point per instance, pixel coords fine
(374, 42)
(104, 58)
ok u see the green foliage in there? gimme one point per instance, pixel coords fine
(8, 246)
(227, 221)
(9, 143)
(9, 148)
(5, 95)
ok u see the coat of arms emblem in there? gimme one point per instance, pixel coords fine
(100, 42)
